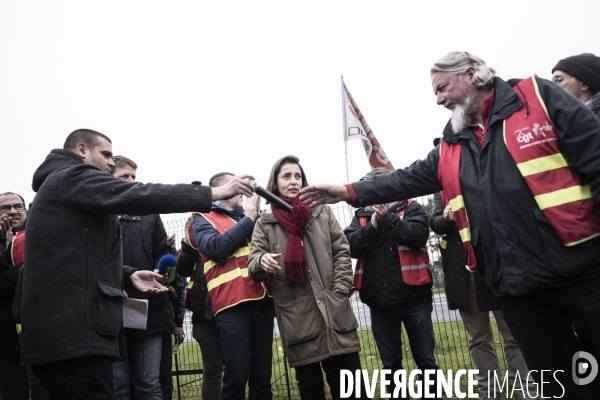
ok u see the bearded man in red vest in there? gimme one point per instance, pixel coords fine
(243, 309)
(520, 164)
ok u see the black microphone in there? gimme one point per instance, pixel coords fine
(265, 194)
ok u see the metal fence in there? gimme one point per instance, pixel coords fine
(452, 344)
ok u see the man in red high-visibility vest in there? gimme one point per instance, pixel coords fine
(243, 309)
(520, 164)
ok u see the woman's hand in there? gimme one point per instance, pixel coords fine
(269, 264)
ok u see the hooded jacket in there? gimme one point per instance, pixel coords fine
(511, 236)
(72, 285)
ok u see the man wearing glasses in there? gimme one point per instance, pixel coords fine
(12, 206)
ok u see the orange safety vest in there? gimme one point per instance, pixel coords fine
(414, 264)
(531, 139)
(227, 281)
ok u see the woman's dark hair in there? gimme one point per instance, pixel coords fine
(272, 184)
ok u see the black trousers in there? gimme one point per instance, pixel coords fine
(542, 323)
(84, 378)
(310, 376)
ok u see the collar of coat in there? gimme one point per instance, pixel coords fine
(594, 104)
(506, 102)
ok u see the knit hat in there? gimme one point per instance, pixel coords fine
(585, 67)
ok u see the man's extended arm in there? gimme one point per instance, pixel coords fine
(91, 190)
(418, 179)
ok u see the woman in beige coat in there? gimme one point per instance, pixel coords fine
(306, 258)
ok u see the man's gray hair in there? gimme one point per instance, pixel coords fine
(457, 62)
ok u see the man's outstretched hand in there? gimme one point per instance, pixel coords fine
(148, 282)
(239, 185)
(315, 195)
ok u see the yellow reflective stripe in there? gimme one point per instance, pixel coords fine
(457, 203)
(443, 244)
(563, 196)
(465, 235)
(537, 92)
(542, 164)
(242, 251)
(226, 277)
(191, 282)
(18, 328)
(582, 240)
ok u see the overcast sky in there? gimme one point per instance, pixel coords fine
(191, 88)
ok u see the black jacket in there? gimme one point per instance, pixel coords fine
(189, 263)
(382, 283)
(513, 241)
(456, 276)
(71, 304)
(10, 347)
(144, 244)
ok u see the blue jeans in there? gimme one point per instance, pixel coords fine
(386, 324)
(205, 332)
(142, 368)
(246, 335)
(541, 321)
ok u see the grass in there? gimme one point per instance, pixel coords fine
(451, 352)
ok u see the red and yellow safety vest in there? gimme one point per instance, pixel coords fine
(414, 264)
(532, 141)
(227, 281)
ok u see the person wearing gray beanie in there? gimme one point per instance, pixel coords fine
(580, 76)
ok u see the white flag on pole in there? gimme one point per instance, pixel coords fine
(356, 127)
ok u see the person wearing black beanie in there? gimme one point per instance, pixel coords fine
(580, 76)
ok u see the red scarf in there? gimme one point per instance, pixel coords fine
(294, 262)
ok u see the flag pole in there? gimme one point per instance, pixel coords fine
(344, 119)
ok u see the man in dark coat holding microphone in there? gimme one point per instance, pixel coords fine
(72, 284)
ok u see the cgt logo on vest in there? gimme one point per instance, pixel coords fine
(539, 133)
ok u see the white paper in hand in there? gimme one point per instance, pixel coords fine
(135, 313)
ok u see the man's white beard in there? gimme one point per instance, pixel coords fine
(463, 114)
